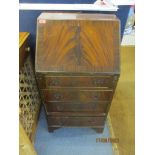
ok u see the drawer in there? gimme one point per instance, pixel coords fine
(76, 107)
(75, 95)
(75, 121)
(76, 81)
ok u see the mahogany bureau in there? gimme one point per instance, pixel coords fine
(77, 67)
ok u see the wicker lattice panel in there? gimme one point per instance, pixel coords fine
(29, 99)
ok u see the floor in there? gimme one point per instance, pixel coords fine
(128, 39)
(70, 141)
(122, 111)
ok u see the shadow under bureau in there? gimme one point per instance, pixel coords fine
(77, 67)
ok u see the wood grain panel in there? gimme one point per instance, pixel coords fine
(77, 45)
(61, 95)
(47, 82)
(76, 107)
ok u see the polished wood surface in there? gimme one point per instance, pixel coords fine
(80, 114)
(74, 95)
(48, 82)
(23, 47)
(68, 44)
(77, 67)
(75, 121)
(122, 111)
(76, 106)
(22, 37)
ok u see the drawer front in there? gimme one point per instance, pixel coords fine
(77, 95)
(75, 121)
(76, 107)
(76, 81)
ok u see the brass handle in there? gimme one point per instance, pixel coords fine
(57, 96)
(95, 97)
(115, 79)
(63, 121)
(54, 82)
(27, 49)
(99, 81)
(104, 114)
(60, 107)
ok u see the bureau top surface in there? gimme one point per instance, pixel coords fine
(76, 16)
(77, 43)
